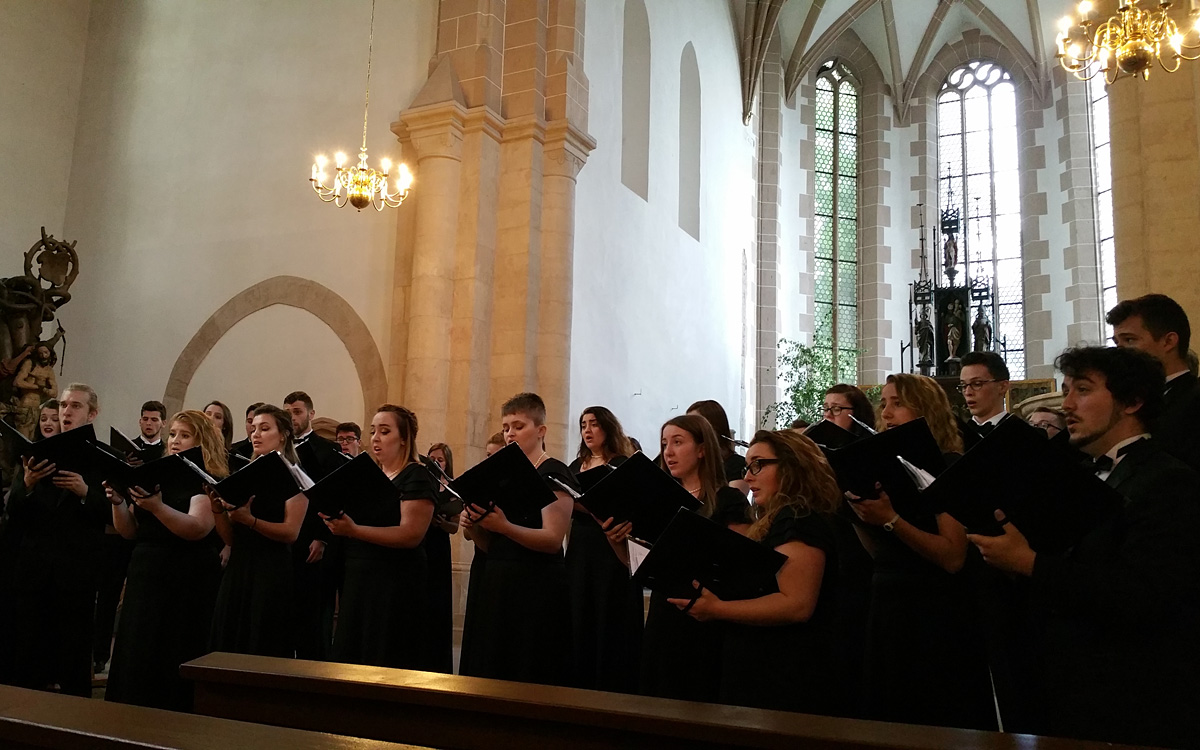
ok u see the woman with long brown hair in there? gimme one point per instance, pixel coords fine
(681, 657)
(381, 619)
(254, 612)
(778, 648)
(606, 610)
(925, 661)
(733, 465)
(171, 584)
(843, 401)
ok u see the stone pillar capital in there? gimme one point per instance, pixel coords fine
(566, 149)
(433, 130)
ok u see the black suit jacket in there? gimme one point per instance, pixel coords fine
(242, 448)
(1121, 612)
(153, 451)
(58, 536)
(1178, 427)
(318, 457)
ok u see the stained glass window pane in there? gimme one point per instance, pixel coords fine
(824, 196)
(847, 283)
(847, 240)
(823, 227)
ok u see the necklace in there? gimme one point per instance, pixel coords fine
(541, 458)
(696, 492)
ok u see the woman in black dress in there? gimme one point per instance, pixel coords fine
(524, 628)
(171, 584)
(732, 463)
(382, 612)
(606, 607)
(925, 662)
(468, 651)
(681, 657)
(254, 605)
(778, 649)
(440, 576)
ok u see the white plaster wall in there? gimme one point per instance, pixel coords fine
(903, 239)
(42, 48)
(198, 125)
(331, 382)
(657, 315)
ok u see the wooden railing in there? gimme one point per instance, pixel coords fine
(467, 713)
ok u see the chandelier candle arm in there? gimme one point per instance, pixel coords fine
(359, 185)
(1126, 43)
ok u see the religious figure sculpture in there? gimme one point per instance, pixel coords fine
(981, 332)
(955, 324)
(950, 252)
(925, 337)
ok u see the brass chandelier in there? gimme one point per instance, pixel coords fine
(361, 186)
(1127, 43)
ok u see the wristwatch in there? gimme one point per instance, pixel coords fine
(891, 525)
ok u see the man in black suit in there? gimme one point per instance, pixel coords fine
(58, 518)
(243, 447)
(983, 382)
(1157, 325)
(150, 426)
(1121, 610)
(316, 577)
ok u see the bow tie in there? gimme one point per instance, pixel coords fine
(1102, 463)
(986, 428)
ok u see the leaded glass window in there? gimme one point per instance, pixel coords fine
(835, 224)
(977, 174)
(1102, 179)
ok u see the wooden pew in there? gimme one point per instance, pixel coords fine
(468, 713)
(31, 719)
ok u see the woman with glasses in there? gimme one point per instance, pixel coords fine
(681, 657)
(924, 657)
(778, 651)
(845, 403)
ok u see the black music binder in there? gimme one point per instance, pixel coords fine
(267, 479)
(695, 548)
(507, 479)
(1040, 486)
(829, 435)
(169, 473)
(68, 451)
(874, 459)
(639, 492)
(344, 488)
(121, 442)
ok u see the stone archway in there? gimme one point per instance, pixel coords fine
(291, 291)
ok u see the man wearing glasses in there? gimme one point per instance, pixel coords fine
(349, 439)
(983, 382)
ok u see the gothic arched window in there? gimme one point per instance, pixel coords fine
(835, 219)
(977, 174)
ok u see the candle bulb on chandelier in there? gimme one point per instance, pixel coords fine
(387, 166)
(1085, 10)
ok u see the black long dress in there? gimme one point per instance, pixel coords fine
(681, 656)
(472, 626)
(439, 589)
(789, 667)
(381, 619)
(255, 609)
(925, 659)
(170, 593)
(523, 631)
(606, 608)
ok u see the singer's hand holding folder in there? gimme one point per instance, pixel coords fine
(506, 479)
(695, 548)
(874, 459)
(171, 473)
(349, 485)
(639, 492)
(267, 479)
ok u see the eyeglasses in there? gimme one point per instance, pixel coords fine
(1047, 426)
(347, 440)
(835, 410)
(974, 385)
(755, 466)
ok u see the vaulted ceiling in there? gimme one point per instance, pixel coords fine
(903, 35)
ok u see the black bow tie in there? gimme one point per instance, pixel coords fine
(986, 428)
(1102, 463)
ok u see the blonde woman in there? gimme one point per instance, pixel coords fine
(925, 660)
(779, 649)
(172, 580)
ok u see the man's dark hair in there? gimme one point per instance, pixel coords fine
(349, 427)
(300, 396)
(157, 406)
(991, 360)
(250, 409)
(1160, 314)
(1131, 376)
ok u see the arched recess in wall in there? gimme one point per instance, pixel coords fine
(635, 99)
(689, 142)
(291, 291)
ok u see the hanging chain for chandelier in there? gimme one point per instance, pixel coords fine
(1127, 43)
(359, 185)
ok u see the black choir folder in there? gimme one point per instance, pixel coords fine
(695, 548)
(873, 459)
(640, 492)
(267, 479)
(344, 488)
(68, 451)
(588, 479)
(173, 472)
(506, 479)
(829, 435)
(1040, 486)
(123, 444)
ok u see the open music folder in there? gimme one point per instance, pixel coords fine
(68, 451)
(506, 479)
(640, 492)
(169, 473)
